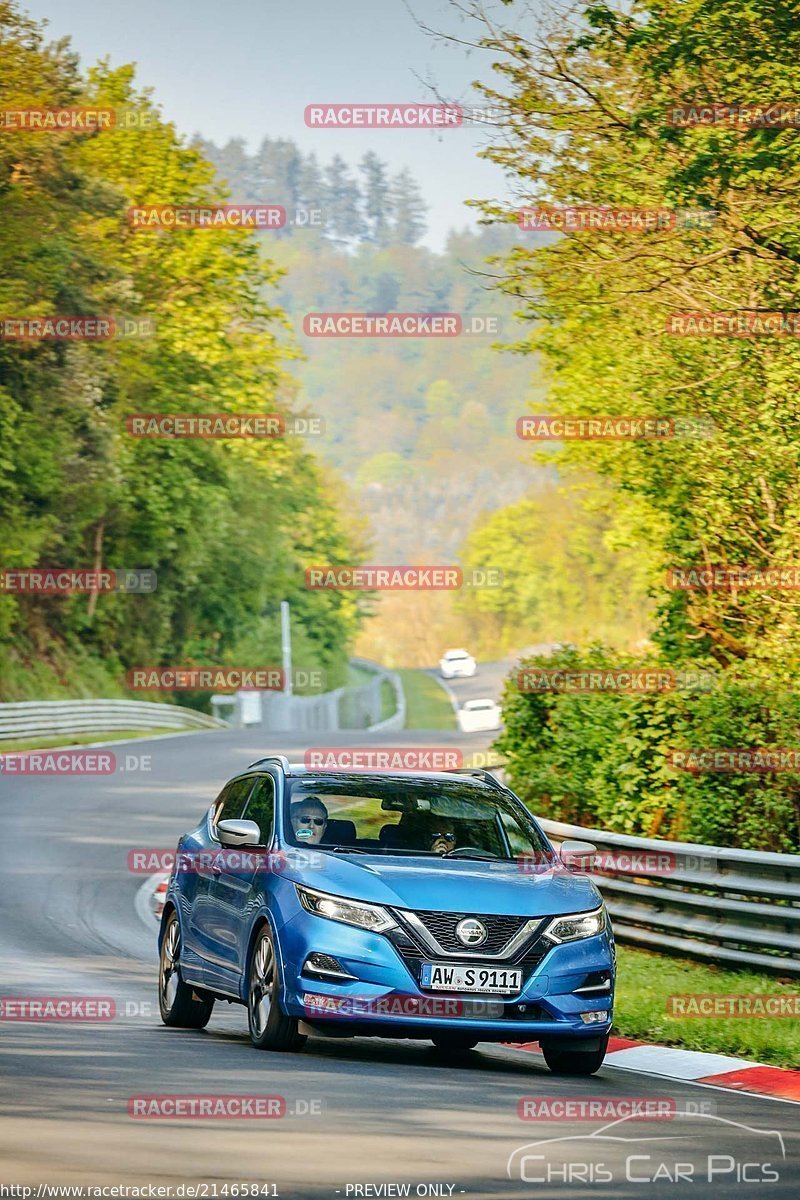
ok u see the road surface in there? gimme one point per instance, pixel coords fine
(377, 1112)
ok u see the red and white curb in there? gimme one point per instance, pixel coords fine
(690, 1066)
(149, 902)
(696, 1066)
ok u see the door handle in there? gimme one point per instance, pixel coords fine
(217, 866)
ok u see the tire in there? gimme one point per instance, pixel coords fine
(270, 1028)
(178, 1002)
(574, 1062)
(454, 1043)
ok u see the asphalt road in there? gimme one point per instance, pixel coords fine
(488, 680)
(361, 1112)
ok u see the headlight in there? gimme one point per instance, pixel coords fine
(349, 912)
(580, 925)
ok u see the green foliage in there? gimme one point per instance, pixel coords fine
(602, 759)
(227, 526)
(586, 104)
(598, 300)
(572, 569)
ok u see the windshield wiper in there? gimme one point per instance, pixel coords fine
(475, 855)
(348, 849)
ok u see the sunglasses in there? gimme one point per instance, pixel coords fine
(311, 820)
(447, 834)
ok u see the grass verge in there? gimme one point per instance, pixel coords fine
(85, 739)
(427, 704)
(645, 980)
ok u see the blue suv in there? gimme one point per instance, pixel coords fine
(395, 905)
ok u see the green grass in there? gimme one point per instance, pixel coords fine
(358, 676)
(84, 739)
(388, 700)
(427, 704)
(645, 980)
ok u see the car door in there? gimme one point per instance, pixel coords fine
(239, 874)
(200, 935)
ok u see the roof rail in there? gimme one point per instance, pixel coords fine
(281, 759)
(479, 773)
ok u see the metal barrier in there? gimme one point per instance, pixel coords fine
(735, 908)
(356, 707)
(45, 718)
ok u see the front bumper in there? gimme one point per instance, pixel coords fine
(384, 998)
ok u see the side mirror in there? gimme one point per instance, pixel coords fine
(577, 855)
(239, 833)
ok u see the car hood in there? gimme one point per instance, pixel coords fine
(454, 885)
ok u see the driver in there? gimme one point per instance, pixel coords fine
(443, 836)
(309, 818)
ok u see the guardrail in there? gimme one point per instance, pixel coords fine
(735, 908)
(44, 718)
(398, 718)
(351, 707)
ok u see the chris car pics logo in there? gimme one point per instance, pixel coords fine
(699, 1148)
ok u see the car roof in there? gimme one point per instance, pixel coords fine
(477, 776)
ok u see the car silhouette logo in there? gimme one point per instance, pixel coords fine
(471, 932)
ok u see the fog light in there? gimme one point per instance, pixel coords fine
(325, 965)
(598, 1017)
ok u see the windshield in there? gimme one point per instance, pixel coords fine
(379, 815)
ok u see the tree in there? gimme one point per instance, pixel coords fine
(408, 208)
(378, 201)
(586, 107)
(342, 202)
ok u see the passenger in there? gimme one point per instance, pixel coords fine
(309, 818)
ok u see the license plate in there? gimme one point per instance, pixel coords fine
(448, 977)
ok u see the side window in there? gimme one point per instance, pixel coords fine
(232, 799)
(518, 843)
(261, 807)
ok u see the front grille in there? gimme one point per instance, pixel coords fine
(414, 953)
(442, 926)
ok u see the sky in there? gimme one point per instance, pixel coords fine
(248, 68)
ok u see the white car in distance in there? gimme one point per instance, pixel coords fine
(457, 663)
(475, 716)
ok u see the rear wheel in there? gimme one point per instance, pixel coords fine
(270, 1028)
(574, 1062)
(178, 1002)
(454, 1043)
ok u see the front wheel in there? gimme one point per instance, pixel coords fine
(574, 1062)
(178, 1002)
(270, 1028)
